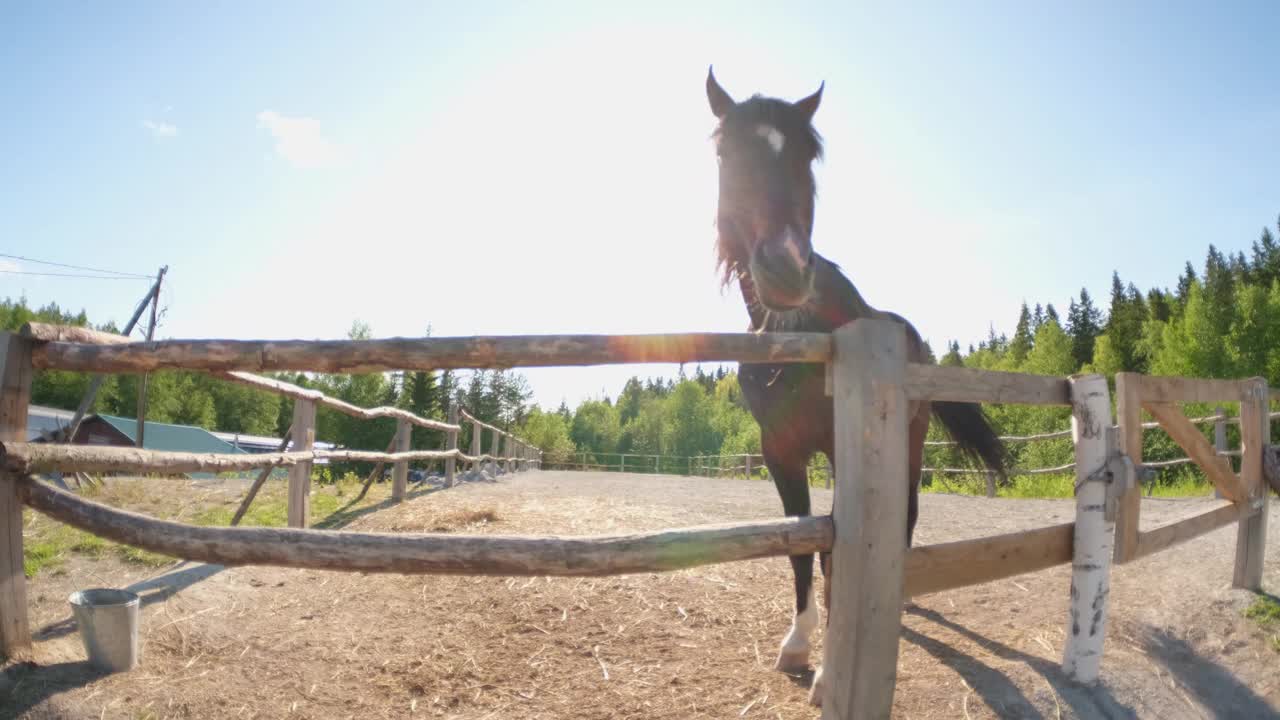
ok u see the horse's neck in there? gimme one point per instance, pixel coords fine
(835, 302)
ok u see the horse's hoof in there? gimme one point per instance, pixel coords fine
(792, 663)
(815, 690)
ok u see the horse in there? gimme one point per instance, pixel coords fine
(765, 149)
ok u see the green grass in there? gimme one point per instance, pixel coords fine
(48, 543)
(1063, 486)
(1265, 611)
(41, 556)
(48, 550)
(273, 511)
(145, 558)
(1184, 486)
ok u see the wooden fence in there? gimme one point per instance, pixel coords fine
(872, 570)
(300, 437)
(744, 464)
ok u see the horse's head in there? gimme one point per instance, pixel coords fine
(766, 148)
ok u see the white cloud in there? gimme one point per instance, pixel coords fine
(299, 140)
(160, 129)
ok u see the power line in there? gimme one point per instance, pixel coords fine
(77, 275)
(72, 267)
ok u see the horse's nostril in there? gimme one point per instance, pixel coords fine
(787, 251)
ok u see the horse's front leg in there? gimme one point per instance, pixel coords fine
(790, 475)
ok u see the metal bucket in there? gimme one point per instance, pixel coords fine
(108, 621)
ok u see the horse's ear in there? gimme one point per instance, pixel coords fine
(720, 101)
(809, 105)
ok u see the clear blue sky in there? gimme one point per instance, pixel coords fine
(544, 168)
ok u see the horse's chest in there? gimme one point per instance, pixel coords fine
(780, 393)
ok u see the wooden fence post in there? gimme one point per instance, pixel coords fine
(15, 398)
(451, 464)
(1094, 528)
(304, 437)
(475, 445)
(1219, 439)
(1129, 418)
(747, 466)
(1251, 536)
(860, 660)
(400, 470)
(494, 451)
(831, 473)
(991, 483)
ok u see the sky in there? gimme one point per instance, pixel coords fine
(542, 168)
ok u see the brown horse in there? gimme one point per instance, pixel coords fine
(766, 148)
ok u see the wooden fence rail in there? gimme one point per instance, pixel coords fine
(441, 553)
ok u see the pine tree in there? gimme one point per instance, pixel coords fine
(1021, 345)
(629, 400)
(1158, 305)
(1219, 292)
(1084, 324)
(1184, 284)
(1037, 318)
(447, 392)
(1051, 313)
(1124, 327)
(952, 358)
(1265, 266)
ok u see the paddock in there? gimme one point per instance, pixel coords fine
(697, 643)
(872, 383)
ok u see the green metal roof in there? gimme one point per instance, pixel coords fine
(180, 438)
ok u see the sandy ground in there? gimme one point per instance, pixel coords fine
(267, 642)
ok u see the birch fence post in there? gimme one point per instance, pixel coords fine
(400, 470)
(15, 398)
(1095, 446)
(304, 436)
(451, 464)
(860, 662)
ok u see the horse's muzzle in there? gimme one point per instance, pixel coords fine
(782, 269)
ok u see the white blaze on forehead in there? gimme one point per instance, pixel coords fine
(775, 137)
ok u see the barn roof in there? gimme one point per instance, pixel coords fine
(260, 443)
(163, 436)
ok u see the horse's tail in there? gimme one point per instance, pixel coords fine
(970, 428)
